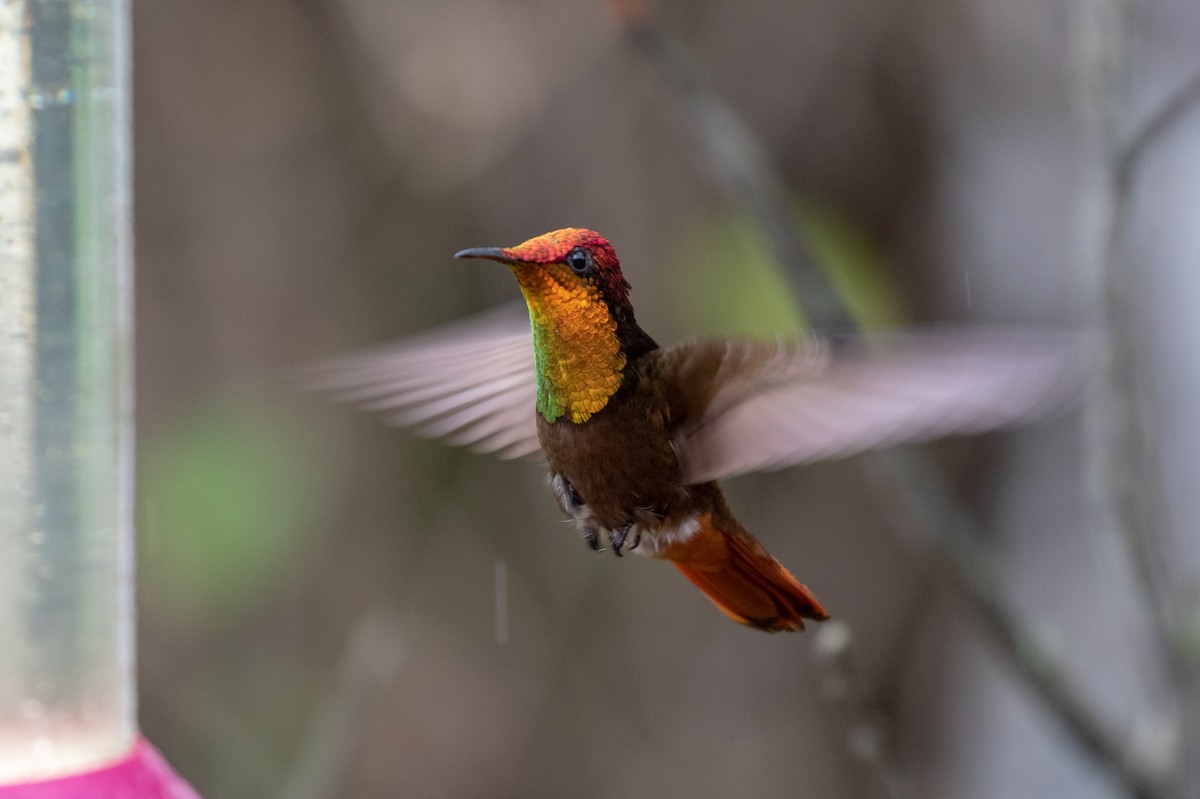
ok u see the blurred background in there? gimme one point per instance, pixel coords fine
(330, 607)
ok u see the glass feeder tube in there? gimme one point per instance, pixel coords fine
(66, 316)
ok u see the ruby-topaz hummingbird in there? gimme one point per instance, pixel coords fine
(637, 435)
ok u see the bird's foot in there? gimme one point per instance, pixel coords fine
(618, 539)
(592, 537)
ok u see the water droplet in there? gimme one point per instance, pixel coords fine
(51, 97)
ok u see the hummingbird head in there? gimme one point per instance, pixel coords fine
(564, 271)
(584, 331)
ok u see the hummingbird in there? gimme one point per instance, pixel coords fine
(636, 436)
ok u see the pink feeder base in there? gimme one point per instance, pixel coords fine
(144, 774)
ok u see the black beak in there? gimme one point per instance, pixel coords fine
(490, 253)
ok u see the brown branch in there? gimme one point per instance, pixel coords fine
(1128, 428)
(950, 534)
(1132, 468)
(740, 164)
(948, 531)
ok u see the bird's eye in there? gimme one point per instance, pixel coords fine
(579, 261)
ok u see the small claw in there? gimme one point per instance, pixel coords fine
(593, 540)
(618, 539)
(637, 539)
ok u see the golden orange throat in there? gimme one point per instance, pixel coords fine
(577, 354)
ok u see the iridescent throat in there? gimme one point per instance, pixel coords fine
(578, 361)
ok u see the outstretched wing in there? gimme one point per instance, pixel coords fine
(748, 405)
(471, 384)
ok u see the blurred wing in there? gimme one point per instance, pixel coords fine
(471, 384)
(767, 406)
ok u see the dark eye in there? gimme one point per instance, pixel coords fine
(579, 261)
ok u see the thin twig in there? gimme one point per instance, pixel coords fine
(1126, 433)
(368, 665)
(1129, 448)
(1133, 475)
(741, 165)
(948, 531)
(950, 534)
(1128, 451)
(1185, 99)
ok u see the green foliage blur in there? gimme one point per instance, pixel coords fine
(730, 283)
(231, 486)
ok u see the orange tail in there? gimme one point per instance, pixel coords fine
(743, 581)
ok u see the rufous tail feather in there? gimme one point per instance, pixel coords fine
(743, 581)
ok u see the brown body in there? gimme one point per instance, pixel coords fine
(618, 475)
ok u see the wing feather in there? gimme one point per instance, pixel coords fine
(471, 384)
(774, 404)
(740, 404)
